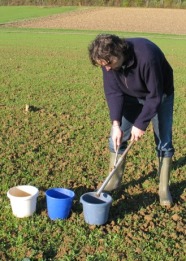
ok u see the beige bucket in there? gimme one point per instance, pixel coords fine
(23, 200)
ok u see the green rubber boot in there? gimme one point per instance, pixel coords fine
(116, 179)
(164, 173)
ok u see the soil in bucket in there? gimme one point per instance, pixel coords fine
(16, 192)
(96, 209)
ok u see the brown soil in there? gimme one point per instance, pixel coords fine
(168, 21)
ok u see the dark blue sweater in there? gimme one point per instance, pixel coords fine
(147, 75)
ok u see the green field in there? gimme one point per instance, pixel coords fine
(62, 141)
(16, 13)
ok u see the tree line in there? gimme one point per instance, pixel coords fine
(117, 3)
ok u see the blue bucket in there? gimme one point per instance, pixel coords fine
(59, 202)
(96, 209)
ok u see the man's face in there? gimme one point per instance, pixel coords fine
(114, 64)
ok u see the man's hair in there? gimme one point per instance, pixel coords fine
(106, 46)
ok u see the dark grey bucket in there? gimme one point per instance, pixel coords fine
(96, 209)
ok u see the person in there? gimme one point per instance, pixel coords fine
(139, 88)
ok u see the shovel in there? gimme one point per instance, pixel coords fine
(114, 170)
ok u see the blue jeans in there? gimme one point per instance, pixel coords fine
(162, 124)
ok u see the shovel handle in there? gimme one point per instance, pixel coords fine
(113, 171)
(126, 151)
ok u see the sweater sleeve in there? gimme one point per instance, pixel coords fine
(113, 94)
(154, 82)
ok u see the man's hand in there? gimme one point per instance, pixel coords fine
(136, 133)
(117, 135)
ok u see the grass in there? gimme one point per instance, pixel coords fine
(15, 13)
(62, 142)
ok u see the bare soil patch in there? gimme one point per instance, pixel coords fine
(153, 20)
